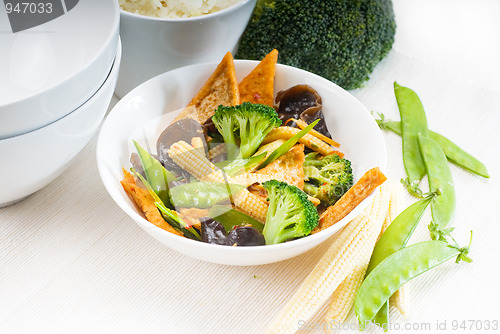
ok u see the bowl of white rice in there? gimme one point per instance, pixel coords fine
(160, 35)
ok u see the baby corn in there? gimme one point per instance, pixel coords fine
(396, 204)
(198, 144)
(400, 298)
(287, 132)
(219, 149)
(195, 162)
(348, 248)
(343, 298)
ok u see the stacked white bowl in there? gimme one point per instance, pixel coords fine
(56, 82)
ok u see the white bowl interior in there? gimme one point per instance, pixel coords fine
(38, 157)
(143, 112)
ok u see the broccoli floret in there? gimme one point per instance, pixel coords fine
(341, 40)
(290, 213)
(246, 124)
(327, 178)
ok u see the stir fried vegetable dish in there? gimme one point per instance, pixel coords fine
(237, 169)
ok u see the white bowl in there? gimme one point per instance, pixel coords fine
(147, 106)
(34, 159)
(48, 71)
(152, 45)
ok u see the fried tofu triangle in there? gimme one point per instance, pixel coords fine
(258, 86)
(146, 203)
(220, 89)
(355, 195)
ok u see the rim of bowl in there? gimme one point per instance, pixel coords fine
(116, 62)
(111, 37)
(231, 8)
(144, 223)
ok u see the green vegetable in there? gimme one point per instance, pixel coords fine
(381, 319)
(286, 146)
(452, 151)
(238, 166)
(394, 238)
(413, 122)
(341, 40)
(327, 178)
(173, 219)
(243, 127)
(440, 181)
(290, 213)
(443, 234)
(156, 175)
(270, 147)
(397, 269)
(202, 194)
(170, 216)
(230, 218)
(398, 233)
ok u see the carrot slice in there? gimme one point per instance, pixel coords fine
(146, 203)
(355, 195)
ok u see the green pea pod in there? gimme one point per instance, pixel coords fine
(156, 175)
(394, 238)
(413, 122)
(398, 233)
(173, 219)
(394, 271)
(170, 216)
(440, 181)
(458, 156)
(452, 151)
(202, 195)
(286, 146)
(381, 319)
(230, 218)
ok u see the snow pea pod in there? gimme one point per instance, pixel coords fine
(170, 216)
(156, 175)
(394, 271)
(440, 181)
(413, 122)
(202, 195)
(398, 233)
(394, 238)
(452, 151)
(458, 156)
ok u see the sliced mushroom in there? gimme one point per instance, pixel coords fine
(301, 102)
(184, 129)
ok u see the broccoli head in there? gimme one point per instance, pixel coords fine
(327, 178)
(290, 213)
(341, 40)
(243, 127)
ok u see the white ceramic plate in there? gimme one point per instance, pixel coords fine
(147, 107)
(48, 71)
(35, 159)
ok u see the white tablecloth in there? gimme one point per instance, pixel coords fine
(72, 262)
